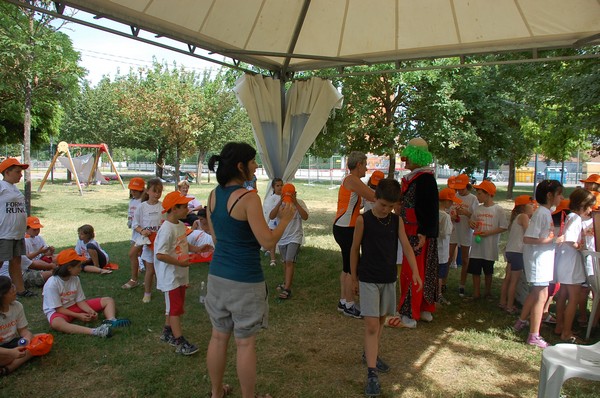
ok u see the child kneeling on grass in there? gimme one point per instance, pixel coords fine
(373, 263)
(64, 300)
(171, 263)
(13, 327)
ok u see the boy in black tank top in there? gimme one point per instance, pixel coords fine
(374, 272)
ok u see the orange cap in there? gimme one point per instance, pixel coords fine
(523, 200)
(34, 222)
(595, 178)
(376, 177)
(287, 191)
(9, 162)
(174, 198)
(461, 181)
(563, 205)
(487, 186)
(68, 255)
(451, 180)
(449, 194)
(137, 184)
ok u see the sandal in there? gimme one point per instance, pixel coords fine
(512, 310)
(105, 272)
(280, 287)
(130, 284)
(227, 389)
(285, 294)
(273, 263)
(571, 340)
(26, 293)
(4, 371)
(549, 319)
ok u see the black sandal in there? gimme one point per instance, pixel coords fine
(285, 294)
(26, 293)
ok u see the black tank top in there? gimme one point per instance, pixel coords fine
(379, 248)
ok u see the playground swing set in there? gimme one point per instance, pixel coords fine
(63, 149)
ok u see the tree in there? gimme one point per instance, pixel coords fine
(38, 74)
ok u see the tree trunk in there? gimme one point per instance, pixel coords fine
(200, 165)
(27, 117)
(486, 168)
(160, 161)
(392, 167)
(511, 178)
(177, 165)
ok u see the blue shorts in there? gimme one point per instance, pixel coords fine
(476, 265)
(443, 270)
(515, 260)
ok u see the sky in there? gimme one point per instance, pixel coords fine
(103, 53)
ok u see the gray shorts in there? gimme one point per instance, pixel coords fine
(289, 252)
(11, 248)
(238, 307)
(377, 299)
(33, 278)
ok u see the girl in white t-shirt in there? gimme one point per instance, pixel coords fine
(13, 327)
(272, 202)
(538, 259)
(64, 301)
(136, 190)
(519, 221)
(569, 267)
(146, 222)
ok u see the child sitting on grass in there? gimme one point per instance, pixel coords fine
(374, 272)
(95, 258)
(13, 327)
(64, 300)
(35, 245)
(171, 263)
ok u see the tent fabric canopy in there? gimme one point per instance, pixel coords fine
(307, 105)
(295, 35)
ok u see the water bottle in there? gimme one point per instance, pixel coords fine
(202, 292)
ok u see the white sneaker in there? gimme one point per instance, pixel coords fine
(426, 316)
(409, 322)
(453, 265)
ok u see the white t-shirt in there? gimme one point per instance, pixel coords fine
(590, 243)
(61, 293)
(443, 240)
(293, 232)
(81, 248)
(13, 215)
(488, 218)
(192, 204)
(514, 243)
(25, 263)
(133, 205)
(171, 240)
(462, 233)
(199, 237)
(11, 321)
(148, 217)
(33, 244)
(539, 258)
(270, 202)
(568, 264)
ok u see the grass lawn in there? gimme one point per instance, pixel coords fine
(309, 349)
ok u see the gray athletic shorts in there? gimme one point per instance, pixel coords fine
(238, 307)
(377, 299)
(33, 278)
(289, 252)
(11, 248)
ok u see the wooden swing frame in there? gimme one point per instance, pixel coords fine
(63, 148)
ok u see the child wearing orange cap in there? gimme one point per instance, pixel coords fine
(272, 201)
(519, 221)
(488, 222)
(35, 245)
(64, 300)
(292, 238)
(592, 184)
(447, 197)
(372, 183)
(13, 221)
(136, 191)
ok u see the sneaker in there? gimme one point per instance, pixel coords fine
(443, 300)
(186, 348)
(426, 316)
(537, 341)
(372, 389)
(117, 323)
(26, 293)
(409, 322)
(461, 292)
(104, 330)
(381, 366)
(453, 265)
(520, 325)
(146, 298)
(352, 312)
(341, 307)
(168, 338)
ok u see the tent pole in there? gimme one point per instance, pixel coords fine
(74, 171)
(51, 167)
(94, 167)
(114, 167)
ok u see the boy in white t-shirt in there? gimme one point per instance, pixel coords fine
(447, 198)
(171, 264)
(35, 245)
(488, 222)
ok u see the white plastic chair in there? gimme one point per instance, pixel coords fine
(593, 277)
(564, 361)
